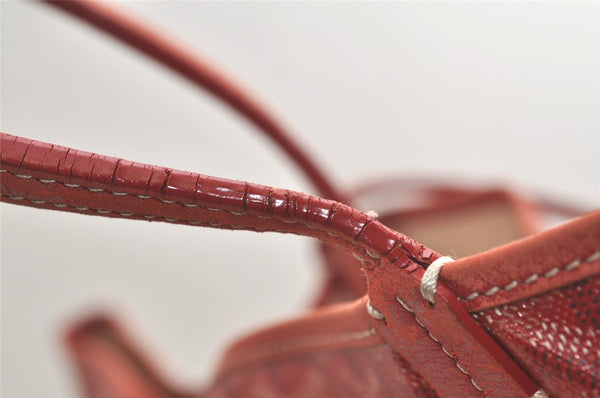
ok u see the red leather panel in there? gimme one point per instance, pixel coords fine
(527, 267)
(447, 348)
(556, 335)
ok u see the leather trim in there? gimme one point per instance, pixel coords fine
(527, 267)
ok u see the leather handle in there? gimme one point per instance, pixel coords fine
(47, 176)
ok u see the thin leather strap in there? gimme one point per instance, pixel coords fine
(53, 177)
(140, 36)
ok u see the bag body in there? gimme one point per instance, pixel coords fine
(514, 321)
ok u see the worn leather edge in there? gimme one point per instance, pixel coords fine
(528, 267)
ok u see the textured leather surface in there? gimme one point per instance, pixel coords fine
(367, 372)
(556, 335)
(527, 267)
(53, 177)
(446, 348)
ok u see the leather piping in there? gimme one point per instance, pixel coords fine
(534, 277)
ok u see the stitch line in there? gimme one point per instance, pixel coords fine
(168, 219)
(261, 352)
(129, 214)
(144, 197)
(190, 205)
(459, 366)
(534, 277)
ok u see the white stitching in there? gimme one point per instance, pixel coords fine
(102, 211)
(144, 197)
(533, 277)
(407, 308)
(129, 214)
(374, 312)
(371, 254)
(146, 216)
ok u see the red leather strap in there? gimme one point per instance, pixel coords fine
(48, 176)
(53, 177)
(140, 36)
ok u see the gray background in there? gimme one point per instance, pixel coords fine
(495, 93)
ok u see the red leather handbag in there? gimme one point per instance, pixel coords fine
(519, 320)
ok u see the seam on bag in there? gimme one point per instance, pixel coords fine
(534, 277)
(444, 350)
(373, 257)
(145, 197)
(259, 352)
(129, 214)
(178, 220)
